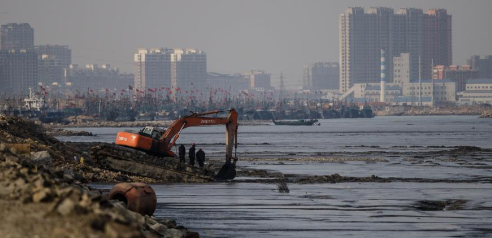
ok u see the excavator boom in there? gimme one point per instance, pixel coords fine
(163, 145)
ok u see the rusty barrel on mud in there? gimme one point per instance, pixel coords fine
(138, 197)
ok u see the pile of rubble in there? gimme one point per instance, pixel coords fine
(57, 155)
(443, 111)
(37, 202)
(486, 114)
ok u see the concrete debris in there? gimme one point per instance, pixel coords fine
(41, 157)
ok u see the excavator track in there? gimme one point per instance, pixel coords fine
(165, 169)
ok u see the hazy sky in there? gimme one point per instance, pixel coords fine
(276, 35)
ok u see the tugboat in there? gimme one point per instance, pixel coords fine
(309, 122)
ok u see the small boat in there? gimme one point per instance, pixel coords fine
(309, 122)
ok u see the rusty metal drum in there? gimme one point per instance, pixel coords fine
(138, 197)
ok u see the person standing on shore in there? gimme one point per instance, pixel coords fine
(191, 154)
(200, 158)
(182, 154)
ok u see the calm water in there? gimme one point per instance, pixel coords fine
(336, 210)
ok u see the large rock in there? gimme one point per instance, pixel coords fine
(41, 157)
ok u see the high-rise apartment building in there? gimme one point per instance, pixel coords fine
(52, 60)
(60, 52)
(18, 71)
(483, 64)
(259, 80)
(189, 69)
(15, 36)
(362, 36)
(96, 77)
(50, 70)
(184, 69)
(152, 68)
(321, 75)
(408, 37)
(437, 40)
(409, 30)
(231, 82)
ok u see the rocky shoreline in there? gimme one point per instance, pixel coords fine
(487, 114)
(44, 193)
(447, 111)
(37, 202)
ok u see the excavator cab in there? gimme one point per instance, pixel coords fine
(151, 132)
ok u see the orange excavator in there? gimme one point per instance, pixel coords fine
(159, 142)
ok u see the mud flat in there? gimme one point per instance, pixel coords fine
(165, 123)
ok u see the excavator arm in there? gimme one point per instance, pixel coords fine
(169, 138)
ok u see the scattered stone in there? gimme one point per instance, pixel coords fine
(44, 195)
(428, 205)
(41, 157)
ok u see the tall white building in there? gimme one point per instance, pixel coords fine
(185, 69)
(152, 68)
(189, 69)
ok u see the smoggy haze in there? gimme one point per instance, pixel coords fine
(236, 35)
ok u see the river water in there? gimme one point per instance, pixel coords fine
(332, 210)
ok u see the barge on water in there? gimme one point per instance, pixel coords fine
(295, 122)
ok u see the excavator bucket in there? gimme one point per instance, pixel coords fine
(227, 172)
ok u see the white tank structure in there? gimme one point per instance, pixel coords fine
(383, 77)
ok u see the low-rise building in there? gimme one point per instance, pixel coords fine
(456, 73)
(478, 91)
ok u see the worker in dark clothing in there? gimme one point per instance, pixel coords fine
(182, 153)
(191, 154)
(200, 157)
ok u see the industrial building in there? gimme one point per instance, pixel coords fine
(478, 91)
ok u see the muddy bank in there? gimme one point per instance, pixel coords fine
(37, 201)
(80, 160)
(165, 123)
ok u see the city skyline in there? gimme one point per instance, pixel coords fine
(256, 37)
